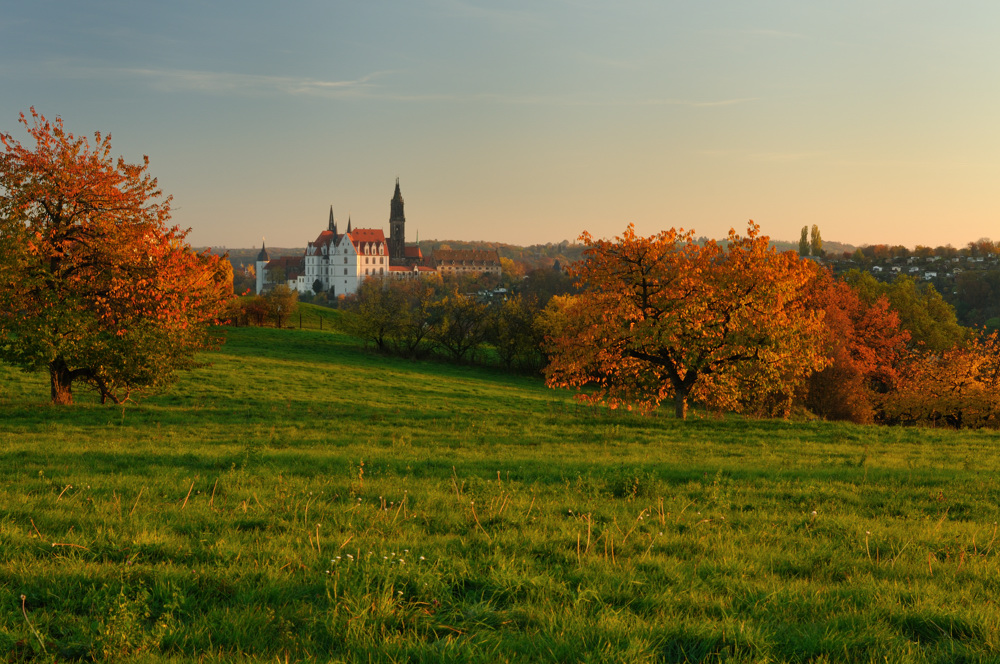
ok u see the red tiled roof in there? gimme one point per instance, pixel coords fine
(323, 238)
(367, 235)
(412, 252)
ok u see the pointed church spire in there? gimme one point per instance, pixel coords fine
(397, 227)
(332, 226)
(262, 256)
(348, 223)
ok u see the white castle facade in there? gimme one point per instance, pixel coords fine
(337, 263)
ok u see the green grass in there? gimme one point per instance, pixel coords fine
(301, 499)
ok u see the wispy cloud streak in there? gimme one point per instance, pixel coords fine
(253, 84)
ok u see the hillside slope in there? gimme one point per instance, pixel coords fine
(302, 499)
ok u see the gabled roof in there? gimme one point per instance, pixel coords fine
(362, 236)
(367, 235)
(324, 238)
(412, 252)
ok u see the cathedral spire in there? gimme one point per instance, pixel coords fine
(397, 228)
(332, 226)
(348, 223)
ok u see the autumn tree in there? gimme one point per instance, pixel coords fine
(804, 242)
(923, 312)
(663, 317)
(864, 344)
(282, 302)
(255, 310)
(959, 387)
(94, 287)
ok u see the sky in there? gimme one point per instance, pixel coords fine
(531, 121)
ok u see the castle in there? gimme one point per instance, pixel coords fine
(337, 262)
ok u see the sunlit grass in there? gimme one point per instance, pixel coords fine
(302, 499)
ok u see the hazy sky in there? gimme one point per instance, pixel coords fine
(531, 121)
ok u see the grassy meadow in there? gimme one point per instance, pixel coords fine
(302, 499)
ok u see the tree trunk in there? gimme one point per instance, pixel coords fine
(61, 381)
(680, 403)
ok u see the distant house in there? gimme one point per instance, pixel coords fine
(877, 268)
(456, 262)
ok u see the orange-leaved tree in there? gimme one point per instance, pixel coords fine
(958, 387)
(666, 318)
(94, 286)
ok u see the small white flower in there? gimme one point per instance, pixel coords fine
(422, 558)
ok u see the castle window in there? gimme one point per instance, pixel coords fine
(345, 261)
(345, 273)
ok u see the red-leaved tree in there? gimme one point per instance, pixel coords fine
(865, 346)
(94, 286)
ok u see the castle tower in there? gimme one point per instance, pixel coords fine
(332, 226)
(261, 266)
(397, 227)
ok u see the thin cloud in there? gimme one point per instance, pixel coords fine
(209, 82)
(553, 100)
(223, 82)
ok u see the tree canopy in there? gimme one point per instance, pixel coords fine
(665, 317)
(94, 286)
